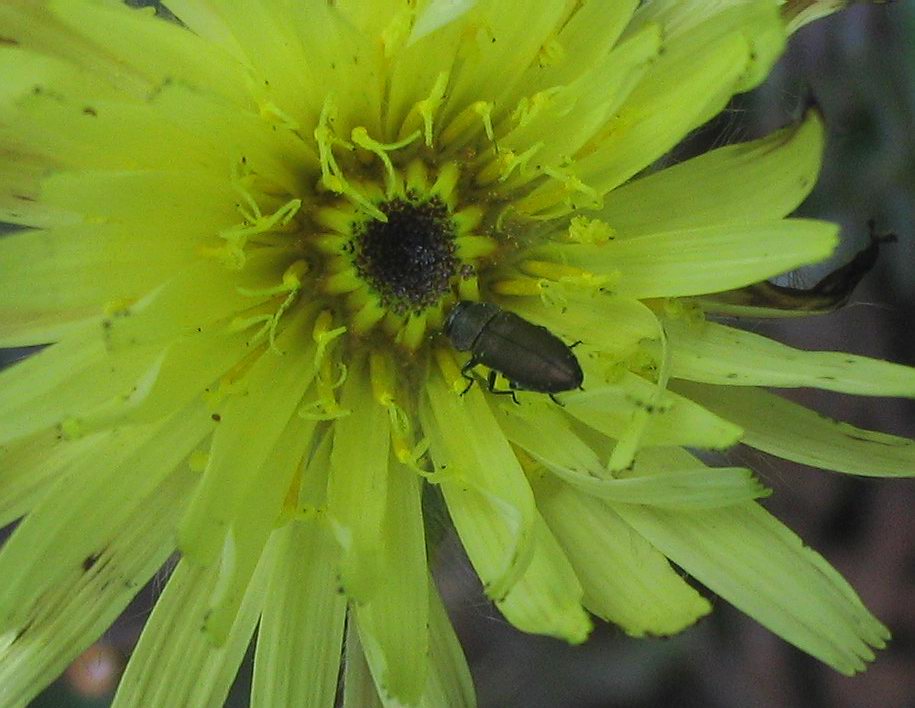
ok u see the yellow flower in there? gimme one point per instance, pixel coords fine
(245, 231)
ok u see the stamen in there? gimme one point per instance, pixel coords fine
(325, 407)
(467, 124)
(538, 203)
(426, 109)
(411, 336)
(590, 231)
(238, 236)
(370, 315)
(445, 183)
(360, 137)
(331, 173)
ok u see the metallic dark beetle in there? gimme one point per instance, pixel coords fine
(529, 356)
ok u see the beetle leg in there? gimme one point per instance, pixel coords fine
(465, 372)
(556, 400)
(491, 382)
(575, 344)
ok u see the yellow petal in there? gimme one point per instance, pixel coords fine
(485, 488)
(626, 580)
(301, 629)
(74, 611)
(358, 487)
(394, 623)
(717, 354)
(547, 599)
(762, 179)
(701, 260)
(796, 433)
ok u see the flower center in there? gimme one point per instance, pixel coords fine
(399, 255)
(409, 261)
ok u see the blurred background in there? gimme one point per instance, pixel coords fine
(860, 66)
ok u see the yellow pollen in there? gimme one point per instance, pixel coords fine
(590, 231)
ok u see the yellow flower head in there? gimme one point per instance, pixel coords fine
(247, 227)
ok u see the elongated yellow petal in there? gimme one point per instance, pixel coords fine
(567, 456)
(65, 380)
(702, 260)
(30, 465)
(82, 604)
(765, 178)
(717, 354)
(547, 599)
(253, 523)
(487, 493)
(78, 518)
(273, 389)
(449, 682)
(626, 580)
(585, 104)
(358, 687)
(202, 672)
(301, 629)
(747, 557)
(788, 430)
(394, 622)
(673, 419)
(358, 487)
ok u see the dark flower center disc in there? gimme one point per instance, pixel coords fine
(410, 260)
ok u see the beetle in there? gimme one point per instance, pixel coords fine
(530, 356)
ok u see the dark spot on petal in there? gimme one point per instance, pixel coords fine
(90, 111)
(216, 417)
(89, 561)
(25, 628)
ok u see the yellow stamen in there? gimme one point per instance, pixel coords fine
(331, 174)
(381, 376)
(411, 336)
(552, 271)
(326, 406)
(417, 177)
(339, 219)
(346, 281)
(467, 123)
(590, 231)
(445, 182)
(426, 109)
(330, 244)
(360, 137)
(474, 247)
(517, 286)
(469, 288)
(370, 315)
(467, 219)
(275, 115)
